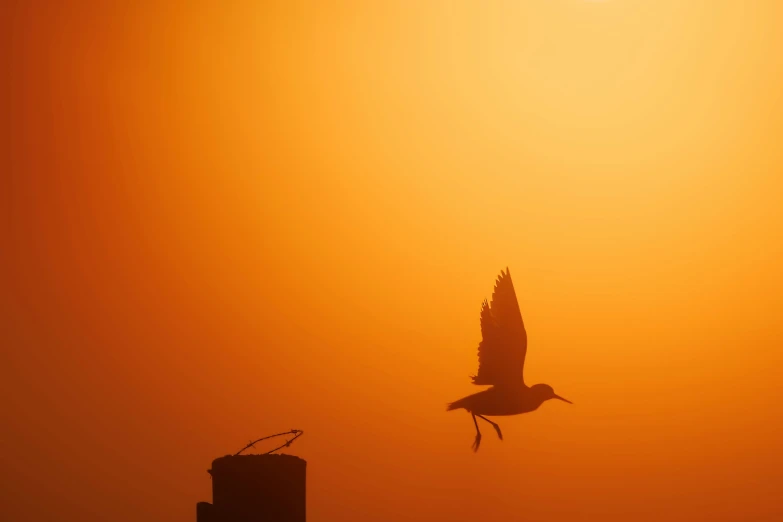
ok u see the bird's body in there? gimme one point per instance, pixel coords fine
(502, 353)
(500, 401)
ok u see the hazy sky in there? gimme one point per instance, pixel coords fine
(221, 222)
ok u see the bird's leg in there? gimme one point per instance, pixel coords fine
(494, 425)
(476, 442)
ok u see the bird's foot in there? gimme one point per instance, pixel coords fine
(497, 429)
(477, 442)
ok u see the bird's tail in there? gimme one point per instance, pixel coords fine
(455, 405)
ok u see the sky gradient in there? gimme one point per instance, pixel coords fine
(221, 222)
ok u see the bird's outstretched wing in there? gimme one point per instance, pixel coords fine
(503, 343)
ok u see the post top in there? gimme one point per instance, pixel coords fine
(250, 462)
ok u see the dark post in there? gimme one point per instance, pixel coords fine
(255, 488)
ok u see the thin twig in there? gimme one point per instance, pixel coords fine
(296, 434)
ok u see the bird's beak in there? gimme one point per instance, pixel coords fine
(563, 399)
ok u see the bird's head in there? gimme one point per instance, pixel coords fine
(546, 392)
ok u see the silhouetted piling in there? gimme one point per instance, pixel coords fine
(254, 488)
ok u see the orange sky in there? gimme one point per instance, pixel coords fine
(223, 222)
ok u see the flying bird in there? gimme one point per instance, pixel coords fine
(501, 355)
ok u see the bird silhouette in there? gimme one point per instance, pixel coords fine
(501, 354)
